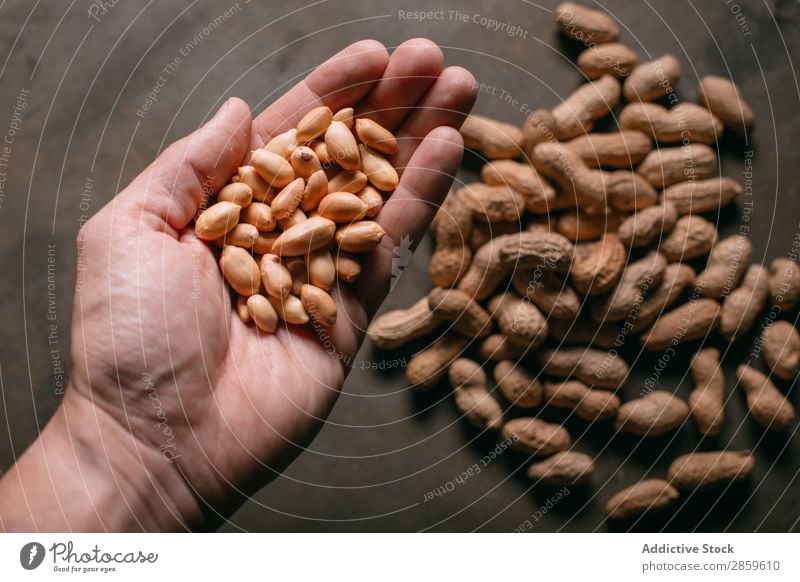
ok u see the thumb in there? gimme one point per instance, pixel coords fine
(175, 185)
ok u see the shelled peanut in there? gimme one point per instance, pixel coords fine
(576, 242)
(292, 221)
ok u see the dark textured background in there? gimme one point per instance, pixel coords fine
(383, 449)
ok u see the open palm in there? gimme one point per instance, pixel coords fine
(156, 345)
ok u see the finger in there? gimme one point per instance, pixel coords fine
(447, 103)
(408, 212)
(188, 171)
(339, 82)
(351, 324)
(413, 68)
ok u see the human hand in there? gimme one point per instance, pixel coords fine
(178, 409)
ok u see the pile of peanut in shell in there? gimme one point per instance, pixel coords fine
(577, 243)
(292, 222)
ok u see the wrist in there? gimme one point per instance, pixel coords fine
(87, 472)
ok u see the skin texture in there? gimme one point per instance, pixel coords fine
(236, 416)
